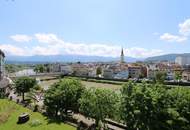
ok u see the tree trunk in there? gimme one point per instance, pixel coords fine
(56, 112)
(97, 122)
(23, 97)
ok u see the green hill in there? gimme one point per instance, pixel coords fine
(167, 57)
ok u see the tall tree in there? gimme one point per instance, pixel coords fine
(99, 104)
(64, 96)
(39, 68)
(160, 77)
(154, 107)
(98, 71)
(24, 84)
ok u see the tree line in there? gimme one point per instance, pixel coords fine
(138, 106)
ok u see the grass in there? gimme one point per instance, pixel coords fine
(106, 84)
(88, 84)
(9, 112)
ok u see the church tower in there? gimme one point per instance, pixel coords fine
(122, 56)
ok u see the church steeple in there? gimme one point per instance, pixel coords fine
(122, 56)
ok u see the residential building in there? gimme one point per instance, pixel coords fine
(107, 73)
(92, 72)
(55, 67)
(66, 69)
(80, 69)
(170, 75)
(122, 75)
(186, 75)
(151, 71)
(183, 60)
(134, 71)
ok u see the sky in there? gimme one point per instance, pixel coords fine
(144, 28)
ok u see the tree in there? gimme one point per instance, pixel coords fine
(98, 71)
(63, 96)
(39, 68)
(178, 76)
(139, 106)
(99, 104)
(154, 107)
(160, 77)
(34, 93)
(24, 84)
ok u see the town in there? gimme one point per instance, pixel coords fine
(94, 65)
(120, 69)
(102, 73)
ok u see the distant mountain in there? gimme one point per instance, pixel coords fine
(64, 58)
(167, 57)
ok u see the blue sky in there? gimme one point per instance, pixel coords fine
(94, 27)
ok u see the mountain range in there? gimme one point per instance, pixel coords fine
(81, 58)
(167, 57)
(65, 58)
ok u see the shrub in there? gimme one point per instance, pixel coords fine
(35, 123)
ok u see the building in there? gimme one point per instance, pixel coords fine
(152, 69)
(5, 82)
(122, 75)
(92, 72)
(170, 75)
(66, 69)
(122, 56)
(80, 69)
(183, 60)
(186, 75)
(134, 71)
(107, 73)
(2, 71)
(55, 67)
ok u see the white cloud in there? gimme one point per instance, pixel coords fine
(61, 47)
(13, 50)
(46, 38)
(184, 32)
(185, 27)
(21, 38)
(56, 46)
(38, 50)
(172, 38)
(142, 52)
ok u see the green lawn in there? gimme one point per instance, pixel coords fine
(88, 84)
(9, 112)
(101, 85)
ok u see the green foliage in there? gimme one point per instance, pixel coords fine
(98, 71)
(24, 84)
(11, 68)
(35, 123)
(9, 111)
(39, 68)
(99, 104)
(2, 94)
(178, 76)
(160, 77)
(37, 87)
(153, 107)
(63, 96)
